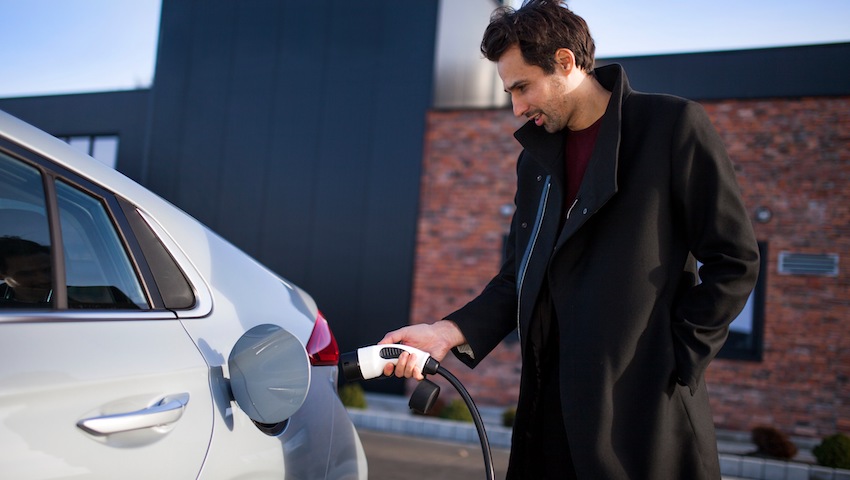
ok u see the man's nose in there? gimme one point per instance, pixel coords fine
(519, 107)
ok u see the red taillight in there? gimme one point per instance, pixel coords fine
(322, 347)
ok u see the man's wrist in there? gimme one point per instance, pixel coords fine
(451, 333)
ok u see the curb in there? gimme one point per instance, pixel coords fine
(390, 414)
(762, 469)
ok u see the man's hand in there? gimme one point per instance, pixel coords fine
(436, 339)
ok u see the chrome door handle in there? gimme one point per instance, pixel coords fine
(166, 411)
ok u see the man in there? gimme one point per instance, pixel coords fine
(25, 273)
(619, 195)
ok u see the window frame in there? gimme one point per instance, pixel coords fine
(50, 174)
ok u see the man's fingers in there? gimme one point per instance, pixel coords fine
(402, 365)
(404, 368)
(389, 338)
(410, 368)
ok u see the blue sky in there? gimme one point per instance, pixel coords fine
(634, 27)
(71, 46)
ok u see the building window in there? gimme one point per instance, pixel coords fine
(102, 147)
(746, 334)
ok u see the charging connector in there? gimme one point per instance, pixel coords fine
(368, 362)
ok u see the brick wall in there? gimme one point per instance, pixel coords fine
(792, 156)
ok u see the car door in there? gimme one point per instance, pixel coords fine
(97, 378)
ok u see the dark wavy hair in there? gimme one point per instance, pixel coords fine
(540, 28)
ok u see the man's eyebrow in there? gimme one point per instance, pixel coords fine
(514, 85)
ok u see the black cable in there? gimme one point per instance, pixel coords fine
(476, 417)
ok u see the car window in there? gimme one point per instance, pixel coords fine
(98, 270)
(25, 266)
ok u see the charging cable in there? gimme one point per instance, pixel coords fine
(368, 362)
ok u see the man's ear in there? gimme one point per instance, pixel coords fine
(564, 60)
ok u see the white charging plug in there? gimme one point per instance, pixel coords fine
(368, 362)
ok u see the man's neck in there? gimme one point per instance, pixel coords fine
(591, 107)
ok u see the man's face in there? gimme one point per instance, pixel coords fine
(536, 95)
(29, 276)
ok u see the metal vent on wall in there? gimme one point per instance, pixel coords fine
(825, 264)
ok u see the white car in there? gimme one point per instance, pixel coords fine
(136, 343)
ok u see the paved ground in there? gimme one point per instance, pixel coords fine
(400, 445)
(404, 457)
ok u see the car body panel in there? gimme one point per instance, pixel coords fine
(53, 375)
(309, 452)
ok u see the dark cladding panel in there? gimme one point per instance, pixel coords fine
(189, 110)
(386, 257)
(162, 157)
(199, 187)
(758, 73)
(345, 157)
(247, 132)
(397, 96)
(296, 131)
(290, 183)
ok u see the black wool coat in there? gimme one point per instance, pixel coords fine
(637, 327)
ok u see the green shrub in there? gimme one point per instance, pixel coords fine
(456, 410)
(508, 417)
(352, 395)
(834, 451)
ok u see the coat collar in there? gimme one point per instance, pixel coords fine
(548, 147)
(600, 181)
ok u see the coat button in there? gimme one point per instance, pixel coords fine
(524, 225)
(584, 212)
(539, 177)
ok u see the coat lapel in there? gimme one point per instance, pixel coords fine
(600, 180)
